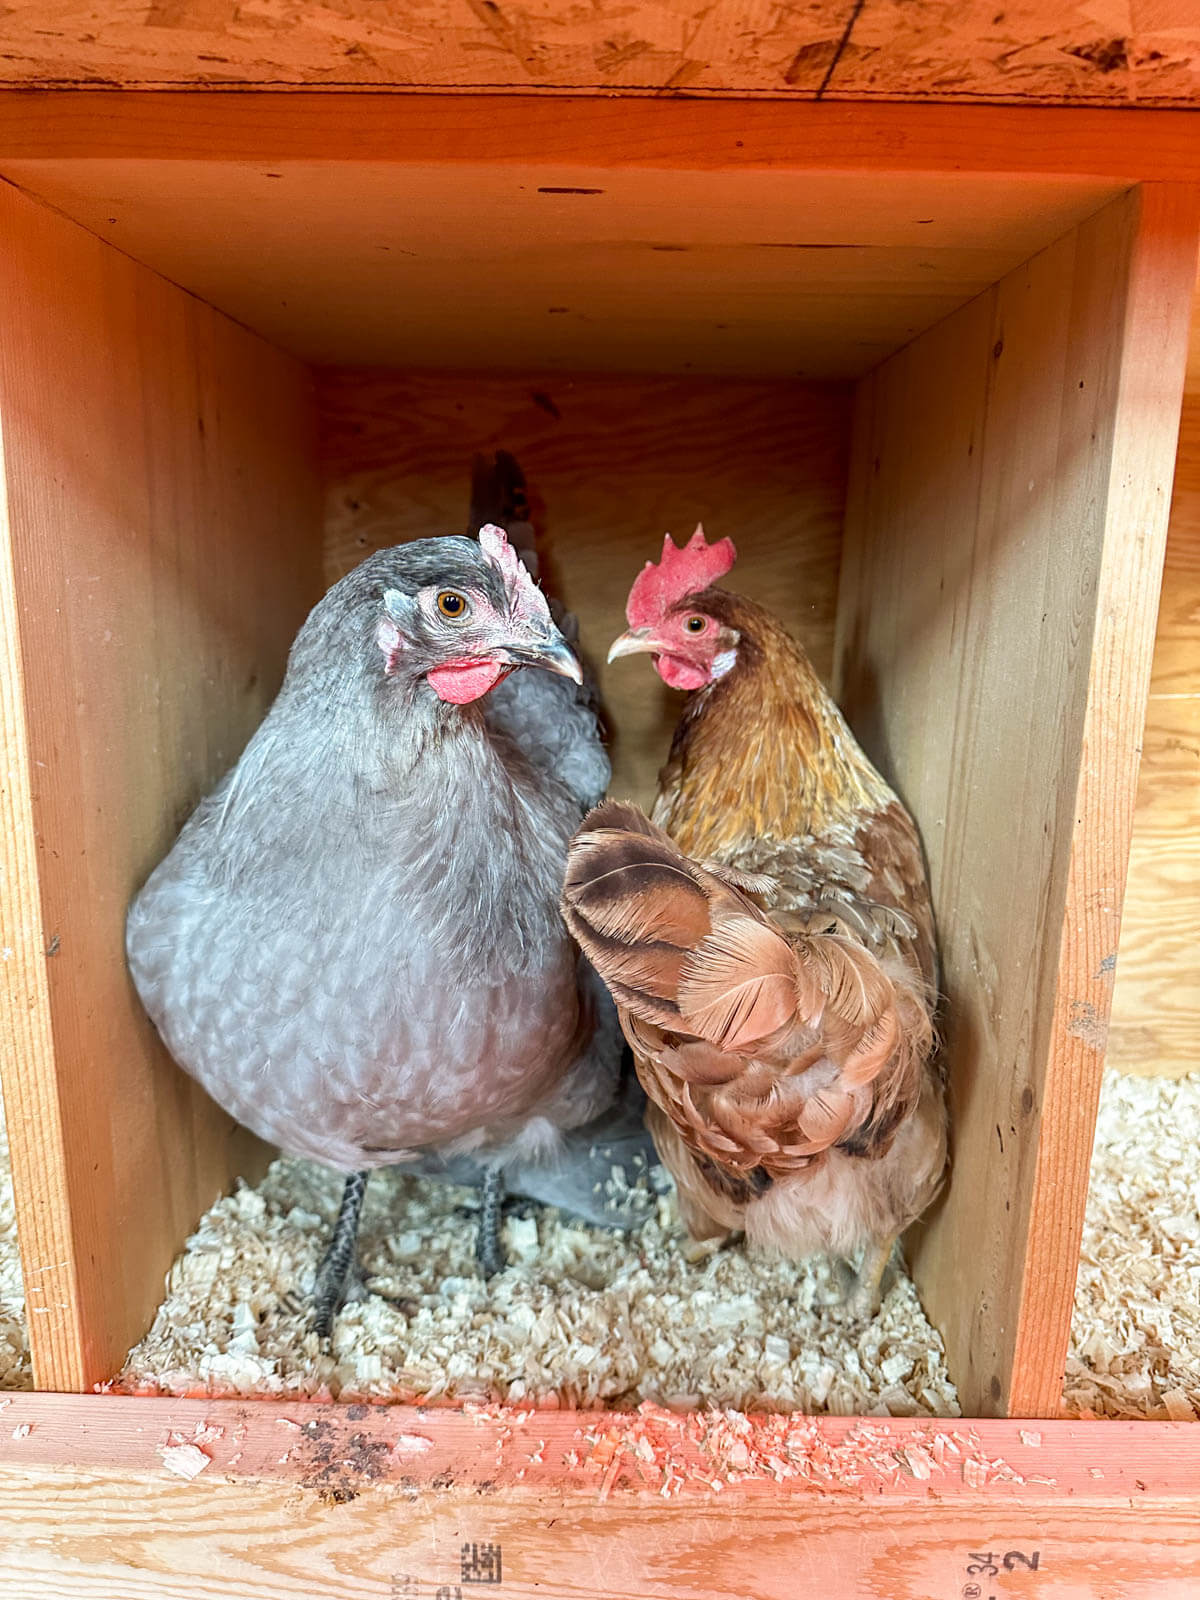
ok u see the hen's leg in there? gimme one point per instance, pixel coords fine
(864, 1297)
(335, 1267)
(488, 1250)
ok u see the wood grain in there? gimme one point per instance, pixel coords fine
(566, 264)
(659, 134)
(357, 1503)
(1005, 525)
(613, 465)
(1071, 52)
(1155, 1026)
(161, 547)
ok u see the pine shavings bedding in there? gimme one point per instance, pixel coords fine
(582, 1318)
(591, 1318)
(15, 1371)
(1135, 1339)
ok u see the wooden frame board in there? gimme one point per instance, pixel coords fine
(612, 133)
(392, 1503)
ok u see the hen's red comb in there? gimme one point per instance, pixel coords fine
(680, 572)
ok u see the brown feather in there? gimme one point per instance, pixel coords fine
(737, 986)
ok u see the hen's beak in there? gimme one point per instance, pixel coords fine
(629, 644)
(554, 655)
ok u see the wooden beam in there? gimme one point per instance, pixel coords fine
(160, 521)
(1006, 518)
(375, 1503)
(673, 135)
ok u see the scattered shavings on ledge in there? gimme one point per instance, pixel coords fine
(712, 1450)
(583, 1318)
(15, 1369)
(1135, 1340)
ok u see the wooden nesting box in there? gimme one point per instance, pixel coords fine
(925, 365)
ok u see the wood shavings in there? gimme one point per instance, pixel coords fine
(406, 1444)
(15, 1369)
(586, 1319)
(714, 1449)
(1135, 1338)
(184, 1460)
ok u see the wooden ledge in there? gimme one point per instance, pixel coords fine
(343, 1500)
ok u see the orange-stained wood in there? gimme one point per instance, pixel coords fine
(1005, 527)
(353, 1502)
(160, 518)
(661, 134)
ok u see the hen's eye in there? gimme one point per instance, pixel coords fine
(696, 624)
(453, 605)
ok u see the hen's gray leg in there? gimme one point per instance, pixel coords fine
(334, 1270)
(488, 1250)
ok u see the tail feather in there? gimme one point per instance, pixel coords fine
(635, 905)
(498, 495)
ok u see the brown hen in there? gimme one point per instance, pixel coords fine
(788, 1053)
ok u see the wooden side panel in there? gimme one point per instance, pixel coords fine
(1005, 523)
(1155, 1025)
(612, 465)
(160, 548)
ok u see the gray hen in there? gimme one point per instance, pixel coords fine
(355, 944)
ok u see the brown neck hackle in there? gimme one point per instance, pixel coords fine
(763, 752)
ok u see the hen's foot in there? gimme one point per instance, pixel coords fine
(489, 1252)
(697, 1251)
(863, 1290)
(334, 1273)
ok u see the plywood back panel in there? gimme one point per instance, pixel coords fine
(1155, 1025)
(1005, 527)
(1047, 50)
(160, 548)
(613, 464)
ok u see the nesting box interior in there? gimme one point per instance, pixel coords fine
(936, 410)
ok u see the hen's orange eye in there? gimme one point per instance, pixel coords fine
(453, 605)
(696, 624)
